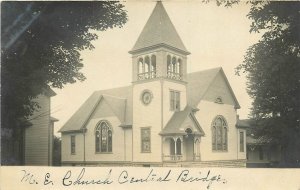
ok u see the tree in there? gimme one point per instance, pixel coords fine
(273, 71)
(41, 44)
(40, 47)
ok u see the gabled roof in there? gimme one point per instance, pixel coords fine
(199, 83)
(119, 99)
(159, 30)
(118, 106)
(174, 126)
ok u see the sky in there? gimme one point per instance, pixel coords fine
(215, 36)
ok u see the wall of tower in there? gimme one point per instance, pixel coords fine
(167, 86)
(147, 116)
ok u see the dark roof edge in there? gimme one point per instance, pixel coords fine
(202, 133)
(159, 45)
(49, 92)
(237, 106)
(89, 115)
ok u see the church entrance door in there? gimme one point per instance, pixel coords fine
(190, 148)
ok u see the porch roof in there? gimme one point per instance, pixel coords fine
(174, 126)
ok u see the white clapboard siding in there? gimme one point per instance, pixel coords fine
(37, 135)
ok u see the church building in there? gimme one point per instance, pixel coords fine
(167, 117)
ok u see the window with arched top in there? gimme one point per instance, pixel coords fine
(153, 63)
(153, 67)
(219, 134)
(103, 137)
(146, 67)
(178, 66)
(169, 64)
(140, 66)
(174, 65)
(147, 64)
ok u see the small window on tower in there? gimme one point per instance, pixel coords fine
(140, 66)
(153, 63)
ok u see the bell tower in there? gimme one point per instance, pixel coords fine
(159, 51)
(159, 77)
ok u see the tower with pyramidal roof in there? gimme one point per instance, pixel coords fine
(159, 63)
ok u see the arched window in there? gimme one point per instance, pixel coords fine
(147, 64)
(140, 65)
(178, 66)
(169, 64)
(153, 64)
(103, 136)
(219, 134)
(174, 65)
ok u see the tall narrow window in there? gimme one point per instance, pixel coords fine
(174, 100)
(146, 139)
(169, 65)
(147, 67)
(103, 138)
(153, 64)
(219, 134)
(174, 68)
(141, 65)
(179, 66)
(177, 101)
(242, 142)
(73, 145)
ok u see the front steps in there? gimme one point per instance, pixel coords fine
(209, 164)
(186, 164)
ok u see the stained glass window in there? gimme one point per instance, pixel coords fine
(219, 134)
(146, 139)
(103, 136)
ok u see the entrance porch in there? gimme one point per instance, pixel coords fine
(181, 148)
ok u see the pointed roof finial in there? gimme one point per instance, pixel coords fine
(159, 30)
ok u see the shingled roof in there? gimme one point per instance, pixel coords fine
(174, 125)
(198, 84)
(120, 101)
(159, 30)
